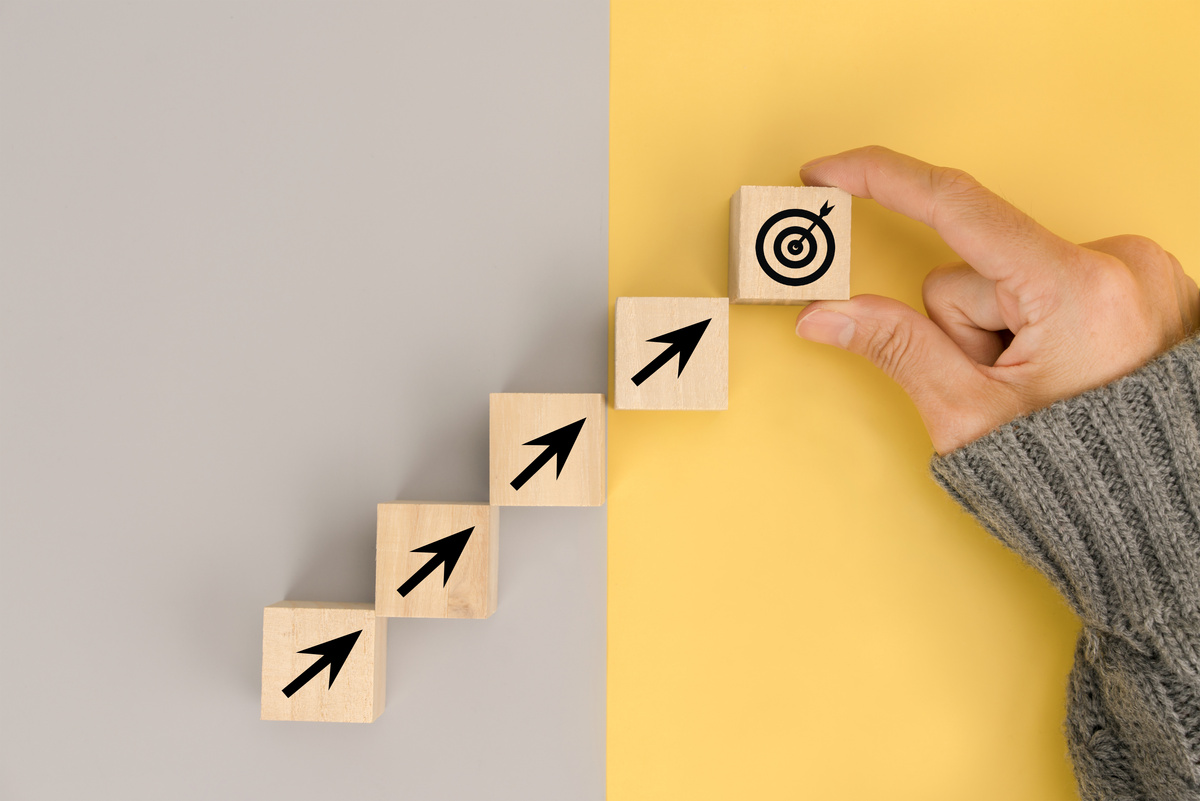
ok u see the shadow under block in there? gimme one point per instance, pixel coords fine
(547, 449)
(789, 244)
(348, 637)
(672, 353)
(436, 560)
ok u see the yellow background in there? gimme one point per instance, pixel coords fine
(795, 609)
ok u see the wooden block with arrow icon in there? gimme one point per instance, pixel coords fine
(789, 244)
(436, 560)
(672, 353)
(547, 449)
(323, 662)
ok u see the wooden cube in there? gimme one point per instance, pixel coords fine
(547, 449)
(789, 244)
(672, 353)
(436, 560)
(323, 661)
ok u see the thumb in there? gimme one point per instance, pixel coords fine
(906, 345)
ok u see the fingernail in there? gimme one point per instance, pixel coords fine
(826, 327)
(809, 165)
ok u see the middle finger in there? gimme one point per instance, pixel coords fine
(963, 304)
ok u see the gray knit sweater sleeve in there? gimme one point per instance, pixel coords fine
(1101, 494)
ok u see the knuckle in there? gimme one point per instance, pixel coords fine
(937, 288)
(957, 192)
(1139, 250)
(1190, 289)
(938, 280)
(1192, 305)
(1176, 265)
(953, 182)
(875, 152)
(1111, 284)
(892, 347)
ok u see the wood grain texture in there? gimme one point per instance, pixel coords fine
(470, 591)
(751, 207)
(358, 693)
(517, 418)
(704, 381)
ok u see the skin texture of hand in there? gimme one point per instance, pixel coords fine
(1027, 318)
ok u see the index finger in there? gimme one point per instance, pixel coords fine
(996, 238)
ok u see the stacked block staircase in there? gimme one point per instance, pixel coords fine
(328, 661)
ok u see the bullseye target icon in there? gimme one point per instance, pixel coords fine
(791, 242)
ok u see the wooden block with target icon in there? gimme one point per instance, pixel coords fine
(672, 353)
(789, 244)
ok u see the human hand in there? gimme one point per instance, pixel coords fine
(1026, 319)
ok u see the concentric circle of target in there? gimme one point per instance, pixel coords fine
(795, 237)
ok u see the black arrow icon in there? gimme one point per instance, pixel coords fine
(446, 550)
(560, 441)
(333, 653)
(682, 341)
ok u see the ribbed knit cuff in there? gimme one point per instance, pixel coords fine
(1101, 493)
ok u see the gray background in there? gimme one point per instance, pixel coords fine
(260, 266)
